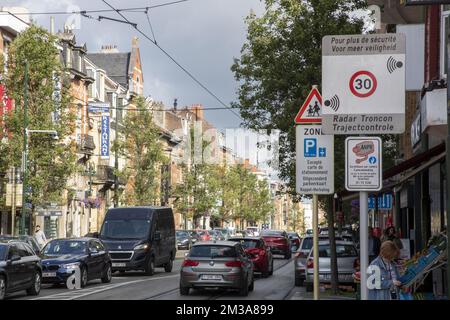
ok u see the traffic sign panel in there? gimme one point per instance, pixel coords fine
(311, 110)
(363, 164)
(363, 84)
(315, 160)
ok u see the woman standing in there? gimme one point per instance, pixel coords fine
(391, 235)
(388, 285)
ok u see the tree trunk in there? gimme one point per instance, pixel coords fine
(333, 257)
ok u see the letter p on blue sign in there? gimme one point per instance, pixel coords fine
(310, 147)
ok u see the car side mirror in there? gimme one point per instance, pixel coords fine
(157, 236)
(93, 251)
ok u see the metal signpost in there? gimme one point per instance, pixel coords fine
(314, 164)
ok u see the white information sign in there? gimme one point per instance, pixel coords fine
(363, 164)
(363, 84)
(315, 160)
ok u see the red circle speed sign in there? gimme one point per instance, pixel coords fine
(363, 84)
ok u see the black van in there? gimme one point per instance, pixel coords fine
(140, 238)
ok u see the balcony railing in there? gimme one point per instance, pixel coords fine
(86, 144)
(105, 174)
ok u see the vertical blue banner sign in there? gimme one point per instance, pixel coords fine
(104, 146)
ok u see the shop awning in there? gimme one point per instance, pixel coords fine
(424, 166)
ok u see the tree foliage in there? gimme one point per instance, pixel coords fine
(139, 141)
(50, 162)
(281, 60)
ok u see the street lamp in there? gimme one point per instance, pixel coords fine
(54, 134)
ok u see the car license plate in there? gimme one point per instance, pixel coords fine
(49, 274)
(211, 277)
(117, 264)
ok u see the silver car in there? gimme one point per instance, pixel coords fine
(346, 258)
(217, 264)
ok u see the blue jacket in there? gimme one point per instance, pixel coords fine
(384, 293)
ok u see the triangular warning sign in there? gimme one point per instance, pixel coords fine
(311, 110)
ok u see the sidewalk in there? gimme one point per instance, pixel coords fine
(301, 294)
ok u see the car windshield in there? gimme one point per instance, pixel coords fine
(182, 234)
(3, 252)
(272, 233)
(125, 229)
(307, 243)
(61, 247)
(246, 243)
(342, 251)
(212, 252)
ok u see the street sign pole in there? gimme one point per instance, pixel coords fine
(447, 171)
(363, 242)
(316, 245)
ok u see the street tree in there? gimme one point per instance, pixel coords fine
(139, 141)
(50, 162)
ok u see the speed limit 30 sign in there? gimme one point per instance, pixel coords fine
(363, 84)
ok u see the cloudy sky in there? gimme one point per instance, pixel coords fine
(202, 35)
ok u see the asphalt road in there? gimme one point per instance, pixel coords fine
(136, 286)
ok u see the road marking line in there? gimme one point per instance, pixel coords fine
(86, 292)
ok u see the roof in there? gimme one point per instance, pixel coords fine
(246, 238)
(218, 243)
(75, 239)
(322, 242)
(116, 65)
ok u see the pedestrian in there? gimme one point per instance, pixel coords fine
(388, 284)
(374, 245)
(40, 236)
(390, 235)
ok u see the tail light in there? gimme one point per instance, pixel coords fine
(310, 264)
(190, 263)
(233, 264)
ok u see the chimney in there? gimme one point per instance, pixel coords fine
(52, 25)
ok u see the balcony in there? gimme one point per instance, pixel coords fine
(104, 174)
(434, 112)
(86, 144)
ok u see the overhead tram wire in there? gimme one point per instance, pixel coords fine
(137, 9)
(176, 62)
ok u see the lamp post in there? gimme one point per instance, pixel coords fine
(27, 133)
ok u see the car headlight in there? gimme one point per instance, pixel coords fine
(71, 265)
(143, 246)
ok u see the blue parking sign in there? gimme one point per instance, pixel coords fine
(310, 147)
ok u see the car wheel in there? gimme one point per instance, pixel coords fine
(107, 275)
(184, 291)
(84, 277)
(36, 285)
(2, 287)
(299, 282)
(168, 266)
(252, 284)
(243, 292)
(309, 287)
(150, 267)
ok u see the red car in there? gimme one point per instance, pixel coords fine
(259, 253)
(278, 241)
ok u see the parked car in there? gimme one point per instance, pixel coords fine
(140, 238)
(278, 241)
(20, 269)
(27, 239)
(60, 257)
(218, 264)
(183, 240)
(225, 232)
(302, 255)
(347, 256)
(259, 252)
(295, 240)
